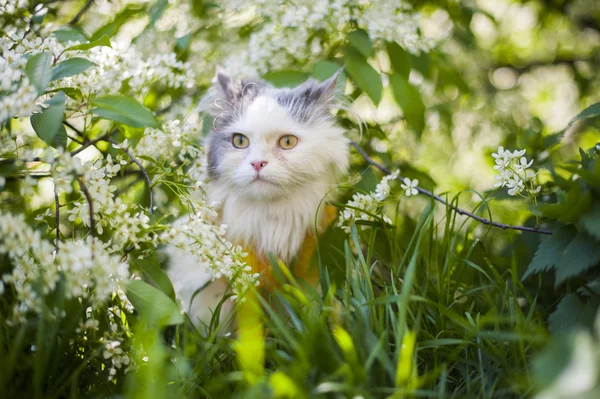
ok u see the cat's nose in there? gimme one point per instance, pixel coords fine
(258, 165)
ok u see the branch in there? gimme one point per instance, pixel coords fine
(57, 216)
(87, 144)
(144, 172)
(88, 197)
(460, 211)
(83, 10)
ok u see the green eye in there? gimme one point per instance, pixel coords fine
(288, 141)
(240, 141)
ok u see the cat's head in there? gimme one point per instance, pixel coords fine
(270, 143)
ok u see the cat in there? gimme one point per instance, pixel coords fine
(274, 154)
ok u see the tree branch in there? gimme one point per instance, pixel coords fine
(83, 10)
(144, 172)
(460, 211)
(57, 217)
(88, 197)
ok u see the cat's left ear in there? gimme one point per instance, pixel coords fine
(327, 92)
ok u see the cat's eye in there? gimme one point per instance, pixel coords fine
(288, 141)
(240, 141)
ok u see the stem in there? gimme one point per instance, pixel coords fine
(57, 219)
(88, 197)
(144, 172)
(458, 210)
(83, 10)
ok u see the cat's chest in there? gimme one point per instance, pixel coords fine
(279, 229)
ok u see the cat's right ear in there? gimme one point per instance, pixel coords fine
(227, 86)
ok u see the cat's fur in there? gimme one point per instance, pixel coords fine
(274, 214)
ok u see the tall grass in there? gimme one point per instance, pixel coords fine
(419, 313)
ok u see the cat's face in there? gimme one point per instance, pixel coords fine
(273, 143)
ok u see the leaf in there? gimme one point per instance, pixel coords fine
(68, 33)
(409, 99)
(364, 75)
(592, 110)
(48, 123)
(157, 10)
(550, 251)
(591, 220)
(123, 109)
(576, 203)
(285, 78)
(39, 70)
(150, 265)
(359, 39)
(153, 305)
(70, 67)
(112, 28)
(580, 255)
(104, 41)
(323, 70)
(399, 59)
(572, 312)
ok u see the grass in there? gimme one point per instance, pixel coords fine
(423, 319)
(416, 310)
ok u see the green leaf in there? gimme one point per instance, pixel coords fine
(576, 203)
(104, 41)
(323, 70)
(591, 220)
(572, 312)
(285, 78)
(123, 109)
(39, 70)
(399, 59)
(112, 28)
(364, 75)
(550, 251)
(409, 99)
(580, 255)
(157, 10)
(592, 110)
(153, 305)
(68, 33)
(150, 265)
(48, 123)
(359, 39)
(70, 67)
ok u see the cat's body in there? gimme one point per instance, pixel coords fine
(274, 155)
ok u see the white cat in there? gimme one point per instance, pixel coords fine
(274, 154)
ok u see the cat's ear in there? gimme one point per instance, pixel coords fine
(330, 87)
(228, 87)
(327, 92)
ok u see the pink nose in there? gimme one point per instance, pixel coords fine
(258, 165)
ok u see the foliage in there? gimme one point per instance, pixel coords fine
(100, 129)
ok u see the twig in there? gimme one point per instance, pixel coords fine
(144, 172)
(57, 217)
(83, 10)
(460, 211)
(88, 197)
(87, 144)
(92, 142)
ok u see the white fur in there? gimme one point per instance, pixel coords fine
(272, 215)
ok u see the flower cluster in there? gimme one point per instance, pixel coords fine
(287, 34)
(88, 270)
(17, 94)
(367, 207)
(514, 173)
(207, 244)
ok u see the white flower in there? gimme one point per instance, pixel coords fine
(410, 186)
